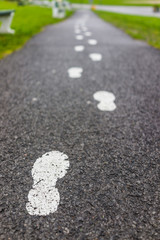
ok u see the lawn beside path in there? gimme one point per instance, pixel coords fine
(138, 27)
(27, 21)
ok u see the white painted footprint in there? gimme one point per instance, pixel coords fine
(44, 197)
(92, 41)
(77, 31)
(79, 48)
(79, 37)
(88, 34)
(95, 57)
(75, 72)
(106, 100)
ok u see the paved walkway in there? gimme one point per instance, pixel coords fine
(79, 135)
(139, 11)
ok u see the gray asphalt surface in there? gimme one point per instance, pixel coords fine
(111, 190)
(131, 10)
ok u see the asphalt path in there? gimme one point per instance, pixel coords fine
(147, 11)
(111, 189)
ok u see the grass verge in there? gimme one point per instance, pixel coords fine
(27, 21)
(143, 28)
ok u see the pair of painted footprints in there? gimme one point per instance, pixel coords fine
(106, 99)
(76, 72)
(44, 197)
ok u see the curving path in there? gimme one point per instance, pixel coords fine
(79, 135)
(130, 10)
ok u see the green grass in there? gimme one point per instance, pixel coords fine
(117, 2)
(28, 21)
(143, 28)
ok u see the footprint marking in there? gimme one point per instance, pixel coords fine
(92, 41)
(79, 37)
(95, 57)
(106, 100)
(75, 72)
(44, 197)
(88, 34)
(77, 31)
(79, 48)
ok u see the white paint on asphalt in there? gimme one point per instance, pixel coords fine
(77, 31)
(88, 34)
(79, 48)
(106, 100)
(95, 57)
(75, 72)
(44, 197)
(79, 37)
(88, 102)
(34, 99)
(92, 41)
